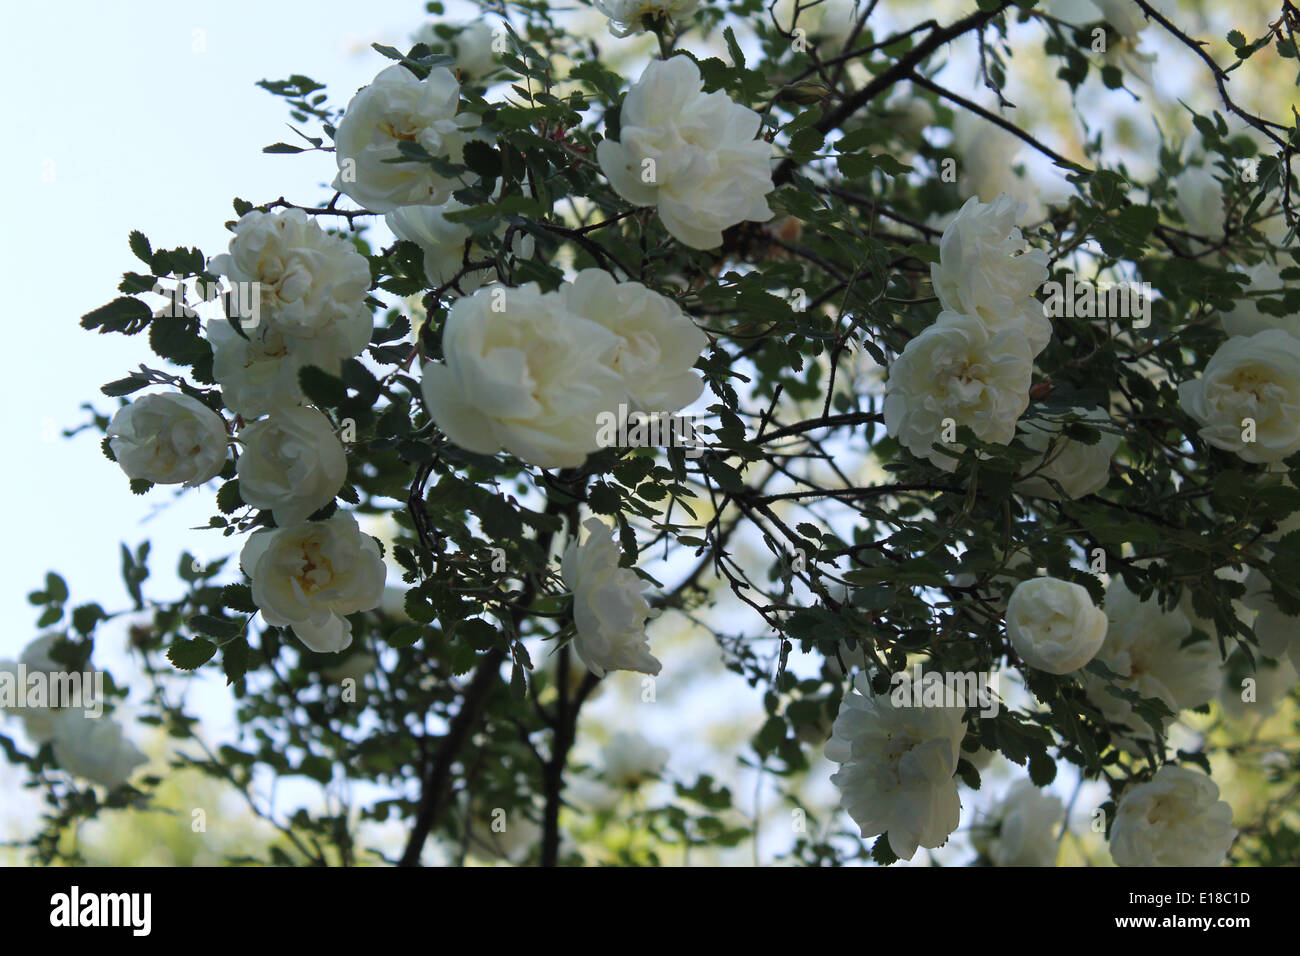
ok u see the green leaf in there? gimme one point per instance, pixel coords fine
(234, 660)
(1042, 770)
(228, 497)
(123, 314)
(217, 627)
(881, 852)
(85, 617)
(405, 636)
(190, 654)
(322, 387)
(124, 386)
(56, 588)
(968, 773)
(733, 48)
(483, 159)
(141, 248)
(238, 597)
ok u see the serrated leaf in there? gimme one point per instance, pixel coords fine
(228, 497)
(140, 247)
(404, 636)
(123, 314)
(881, 852)
(238, 597)
(190, 654)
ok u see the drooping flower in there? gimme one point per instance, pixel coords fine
(1198, 196)
(94, 748)
(896, 767)
(609, 610)
(444, 243)
(259, 373)
(1246, 317)
(470, 43)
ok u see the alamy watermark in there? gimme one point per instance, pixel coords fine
(37, 689)
(925, 688)
(1098, 300)
(242, 300)
(633, 429)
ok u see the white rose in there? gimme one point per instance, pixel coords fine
(40, 723)
(168, 438)
(260, 373)
(987, 270)
(1175, 819)
(398, 106)
(443, 243)
(37, 655)
(509, 837)
(896, 767)
(1127, 17)
(1199, 200)
(1245, 318)
(628, 16)
(1128, 21)
(1144, 646)
(472, 47)
(309, 576)
(989, 155)
(630, 759)
(592, 796)
(956, 370)
(312, 285)
(657, 345)
(1278, 632)
(609, 610)
(692, 154)
(292, 464)
(1021, 828)
(1251, 384)
(521, 372)
(911, 115)
(1053, 625)
(1077, 468)
(95, 749)
(1270, 681)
